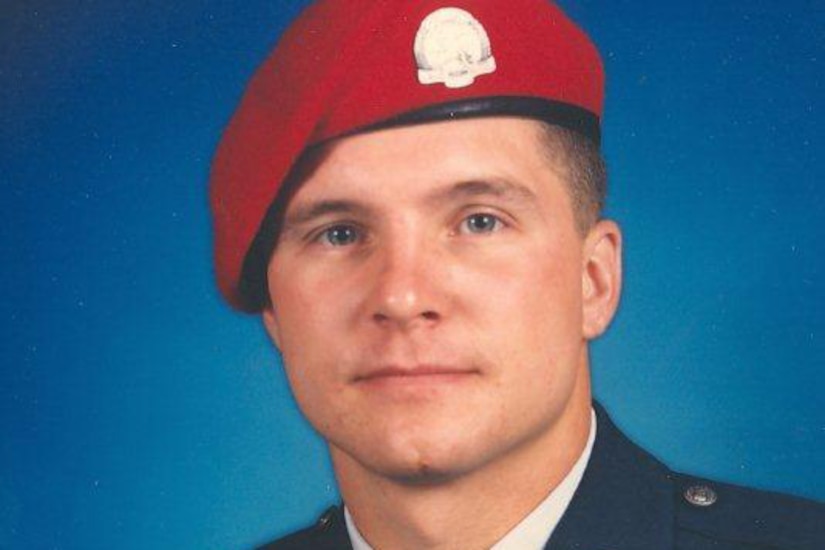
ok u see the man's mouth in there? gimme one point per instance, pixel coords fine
(416, 373)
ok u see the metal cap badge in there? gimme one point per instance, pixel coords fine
(452, 48)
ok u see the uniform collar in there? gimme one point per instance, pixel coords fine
(534, 530)
(624, 501)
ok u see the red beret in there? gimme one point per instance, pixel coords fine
(346, 66)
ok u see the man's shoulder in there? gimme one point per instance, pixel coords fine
(712, 514)
(328, 533)
(629, 500)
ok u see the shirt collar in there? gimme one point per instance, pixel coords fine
(358, 542)
(533, 532)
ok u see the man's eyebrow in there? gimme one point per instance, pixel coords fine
(501, 188)
(306, 213)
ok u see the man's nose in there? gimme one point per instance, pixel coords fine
(407, 291)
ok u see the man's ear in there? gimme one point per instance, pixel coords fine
(271, 324)
(601, 277)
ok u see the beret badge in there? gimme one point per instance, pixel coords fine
(452, 48)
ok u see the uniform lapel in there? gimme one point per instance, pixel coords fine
(624, 501)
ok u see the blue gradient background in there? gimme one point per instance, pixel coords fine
(137, 411)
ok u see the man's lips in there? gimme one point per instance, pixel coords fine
(414, 373)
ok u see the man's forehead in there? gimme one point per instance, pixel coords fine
(433, 142)
(442, 159)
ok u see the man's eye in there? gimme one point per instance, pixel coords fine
(339, 235)
(481, 223)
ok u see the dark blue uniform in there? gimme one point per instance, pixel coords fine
(628, 500)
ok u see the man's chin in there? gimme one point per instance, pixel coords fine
(424, 474)
(412, 467)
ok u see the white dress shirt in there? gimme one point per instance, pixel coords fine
(533, 532)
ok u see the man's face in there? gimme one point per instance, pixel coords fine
(430, 296)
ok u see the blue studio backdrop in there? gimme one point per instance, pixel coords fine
(138, 411)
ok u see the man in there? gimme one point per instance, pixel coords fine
(410, 194)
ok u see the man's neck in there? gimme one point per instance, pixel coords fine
(472, 511)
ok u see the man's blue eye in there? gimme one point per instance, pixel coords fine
(340, 235)
(481, 223)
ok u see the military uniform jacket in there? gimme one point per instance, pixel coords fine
(628, 500)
